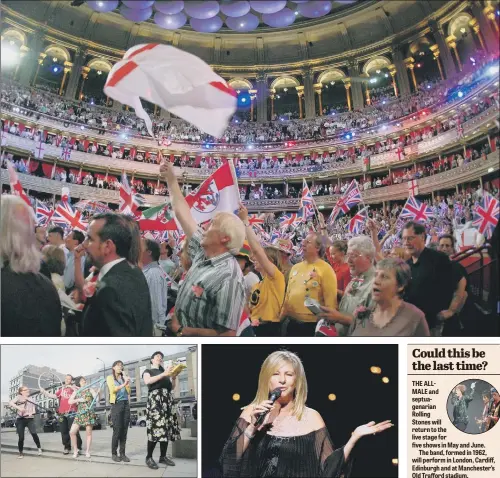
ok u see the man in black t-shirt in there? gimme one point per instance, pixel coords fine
(431, 287)
(453, 325)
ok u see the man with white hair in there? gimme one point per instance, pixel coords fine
(210, 301)
(360, 256)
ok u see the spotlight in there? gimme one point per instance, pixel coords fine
(460, 94)
(243, 100)
(235, 121)
(100, 4)
(428, 87)
(236, 397)
(419, 65)
(55, 69)
(493, 70)
(385, 379)
(285, 89)
(278, 97)
(472, 59)
(395, 461)
(9, 56)
(124, 136)
(375, 370)
(353, 134)
(82, 127)
(347, 136)
(296, 12)
(242, 24)
(332, 397)
(250, 146)
(333, 113)
(383, 102)
(92, 102)
(387, 75)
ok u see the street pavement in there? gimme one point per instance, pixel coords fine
(53, 463)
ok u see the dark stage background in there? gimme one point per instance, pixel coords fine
(475, 408)
(340, 369)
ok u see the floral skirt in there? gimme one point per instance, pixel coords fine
(85, 416)
(161, 417)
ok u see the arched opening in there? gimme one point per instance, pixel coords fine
(333, 93)
(425, 65)
(286, 100)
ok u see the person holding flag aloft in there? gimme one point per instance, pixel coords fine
(210, 301)
(266, 297)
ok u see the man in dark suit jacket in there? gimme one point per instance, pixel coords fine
(121, 304)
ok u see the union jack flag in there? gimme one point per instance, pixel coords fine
(66, 153)
(43, 213)
(287, 220)
(357, 223)
(64, 216)
(129, 201)
(94, 207)
(255, 219)
(306, 202)
(351, 197)
(414, 210)
(486, 215)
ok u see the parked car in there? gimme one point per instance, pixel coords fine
(8, 422)
(51, 425)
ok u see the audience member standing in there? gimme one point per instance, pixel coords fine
(431, 287)
(30, 302)
(121, 305)
(72, 241)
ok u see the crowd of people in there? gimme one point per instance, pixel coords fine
(76, 401)
(220, 273)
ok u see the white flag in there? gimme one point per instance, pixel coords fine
(39, 150)
(177, 81)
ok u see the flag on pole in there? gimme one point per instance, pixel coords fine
(129, 200)
(486, 215)
(357, 223)
(15, 185)
(255, 219)
(43, 213)
(218, 193)
(64, 215)
(307, 204)
(413, 187)
(414, 210)
(350, 198)
(175, 80)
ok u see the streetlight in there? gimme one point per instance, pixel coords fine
(104, 377)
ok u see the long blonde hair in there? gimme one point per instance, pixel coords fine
(18, 246)
(272, 363)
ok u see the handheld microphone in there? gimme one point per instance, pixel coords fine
(273, 396)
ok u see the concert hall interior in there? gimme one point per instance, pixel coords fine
(348, 385)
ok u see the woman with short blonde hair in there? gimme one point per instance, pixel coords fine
(284, 437)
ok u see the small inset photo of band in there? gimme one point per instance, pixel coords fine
(99, 410)
(300, 411)
(474, 406)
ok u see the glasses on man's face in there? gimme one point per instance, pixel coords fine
(353, 255)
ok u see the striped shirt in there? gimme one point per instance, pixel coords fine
(212, 295)
(157, 281)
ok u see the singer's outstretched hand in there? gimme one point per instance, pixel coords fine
(264, 407)
(372, 428)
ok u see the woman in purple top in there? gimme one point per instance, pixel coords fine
(25, 418)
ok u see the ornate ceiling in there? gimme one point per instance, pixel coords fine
(210, 16)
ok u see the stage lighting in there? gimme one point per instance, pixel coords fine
(387, 75)
(55, 69)
(278, 97)
(353, 134)
(395, 461)
(250, 146)
(9, 56)
(428, 87)
(236, 397)
(347, 136)
(82, 127)
(296, 12)
(385, 379)
(332, 397)
(383, 102)
(460, 94)
(493, 70)
(375, 370)
(235, 121)
(333, 113)
(243, 100)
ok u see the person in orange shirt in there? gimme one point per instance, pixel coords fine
(336, 257)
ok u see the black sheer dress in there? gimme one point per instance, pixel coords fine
(300, 456)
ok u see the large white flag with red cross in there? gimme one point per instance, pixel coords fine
(176, 80)
(15, 185)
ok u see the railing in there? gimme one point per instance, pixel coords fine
(378, 161)
(482, 277)
(447, 180)
(190, 147)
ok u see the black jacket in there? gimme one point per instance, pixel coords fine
(120, 306)
(30, 306)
